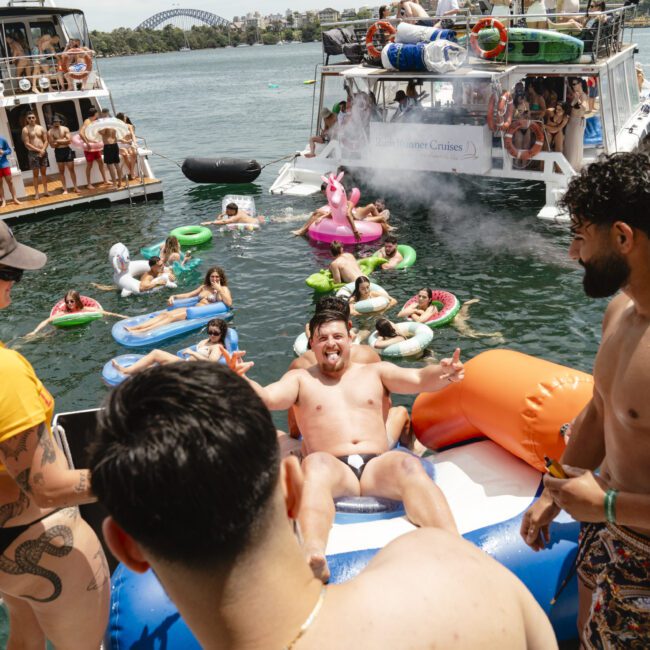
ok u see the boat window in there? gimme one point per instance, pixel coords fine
(18, 33)
(620, 93)
(632, 84)
(607, 111)
(41, 28)
(67, 110)
(17, 120)
(74, 26)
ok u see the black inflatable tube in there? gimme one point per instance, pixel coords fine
(221, 170)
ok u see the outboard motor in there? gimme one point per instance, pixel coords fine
(221, 170)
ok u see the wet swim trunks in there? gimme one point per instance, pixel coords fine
(64, 155)
(111, 154)
(357, 462)
(36, 161)
(615, 563)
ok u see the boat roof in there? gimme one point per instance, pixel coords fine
(8, 12)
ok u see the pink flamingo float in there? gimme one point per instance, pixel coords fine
(338, 227)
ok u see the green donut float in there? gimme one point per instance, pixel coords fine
(408, 256)
(191, 235)
(76, 319)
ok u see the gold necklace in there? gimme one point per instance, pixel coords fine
(309, 620)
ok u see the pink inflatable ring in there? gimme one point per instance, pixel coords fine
(447, 303)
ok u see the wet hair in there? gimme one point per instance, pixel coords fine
(74, 295)
(390, 239)
(336, 248)
(221, 325)
(334, 303)
(153, 261)
(171, 245)
(232, 206)
(323, 317)
(385, 328)
(194, 483)
(356, 294)
(222, 276)
(613, 188)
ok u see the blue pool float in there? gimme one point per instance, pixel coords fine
(149, 251)
(231, 344)
(488, 491)
(197, 317)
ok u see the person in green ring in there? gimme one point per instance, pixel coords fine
(214, 289)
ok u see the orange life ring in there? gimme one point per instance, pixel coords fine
(500, 119)
(525, 154)
(85, 55)
(384, 26)
(503, 37)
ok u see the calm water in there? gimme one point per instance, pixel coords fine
(471, 239)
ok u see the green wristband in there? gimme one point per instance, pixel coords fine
(610, 505)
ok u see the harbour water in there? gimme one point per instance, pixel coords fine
(474, 239)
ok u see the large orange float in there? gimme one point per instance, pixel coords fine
(518, 401)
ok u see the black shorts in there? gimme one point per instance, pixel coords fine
(112, 154)
(63, 155)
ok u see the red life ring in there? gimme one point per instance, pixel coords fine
(500, 119)
(384, 26)
(525, 154)
(503, 38)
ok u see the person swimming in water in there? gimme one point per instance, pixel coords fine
(422, 309)
(213, 289)
(233, 215)
(386, 334)
(362, 291)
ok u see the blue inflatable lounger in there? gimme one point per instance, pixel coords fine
(197, 317)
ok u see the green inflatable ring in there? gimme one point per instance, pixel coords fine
(322, 281)
(408, 256)
(191, 235)
(74, 320)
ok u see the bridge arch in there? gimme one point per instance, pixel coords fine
(196, 14)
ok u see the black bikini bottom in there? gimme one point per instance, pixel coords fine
(357, 462)
(8, 535)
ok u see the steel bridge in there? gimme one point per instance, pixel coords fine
(183, 18)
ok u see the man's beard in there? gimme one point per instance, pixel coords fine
(605, 276)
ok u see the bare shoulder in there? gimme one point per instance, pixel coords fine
(363, 354)
(617, 305)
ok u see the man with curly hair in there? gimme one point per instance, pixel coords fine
(609, 204)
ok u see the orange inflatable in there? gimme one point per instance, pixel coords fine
(519, 402)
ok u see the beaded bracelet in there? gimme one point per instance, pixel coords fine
(610, 505)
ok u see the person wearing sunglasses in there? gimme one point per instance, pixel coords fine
(210, 349)
(54, 578)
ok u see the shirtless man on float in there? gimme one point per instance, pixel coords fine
(35, 141)
(344, 267)
(609, 204)
(154, 276)
(233, 215)
(59, 138)
(389, 252)
(339, 410)
(240, 580)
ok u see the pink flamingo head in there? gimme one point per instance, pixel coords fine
(336, 197)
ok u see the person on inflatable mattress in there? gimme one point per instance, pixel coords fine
(609, 204)
(240, 579)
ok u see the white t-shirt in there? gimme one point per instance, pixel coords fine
(445, 5)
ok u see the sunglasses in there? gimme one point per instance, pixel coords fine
(214, 333)
(9, 274)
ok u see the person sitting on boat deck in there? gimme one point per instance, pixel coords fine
(421, 310)
(362, 291)
(556, 120)
(49, 45)
(59, 138)
(328, 131)
(344, 267)
(375, 212)
(170, 252)
(445, 12)
(206, 350)
(213, 289)
(5, 173)
(17, 54)
(154, 276)
(111, 152)
(567, 24)
(339, 409)
(72, 305)
(397, 418)
(386, 334)
(91, 156)
(76, 61)
(389, 252)
(233, 214)
(316, 216)
(34, 138)
(128, 147)
(244, 560)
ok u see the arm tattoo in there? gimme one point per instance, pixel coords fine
(82, 485)
(14, 446)
(23, 481)
(10, 510)
(47, 445)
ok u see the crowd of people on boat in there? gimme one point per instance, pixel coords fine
(187, 463)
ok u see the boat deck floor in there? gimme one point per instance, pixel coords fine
(56, 196)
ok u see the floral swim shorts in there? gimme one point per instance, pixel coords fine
(615, 563)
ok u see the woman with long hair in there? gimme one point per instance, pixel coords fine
(422, 309)
(362, 291)
(214, 289)
(386, 334)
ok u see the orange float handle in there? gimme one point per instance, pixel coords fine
(503, 37)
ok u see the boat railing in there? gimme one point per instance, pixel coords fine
(601, 32)
(60, 71)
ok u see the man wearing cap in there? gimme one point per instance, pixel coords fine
(59, 138)
(402, 107)
(5, 172)
(54, 578)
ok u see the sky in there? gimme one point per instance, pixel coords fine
(106, 15)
